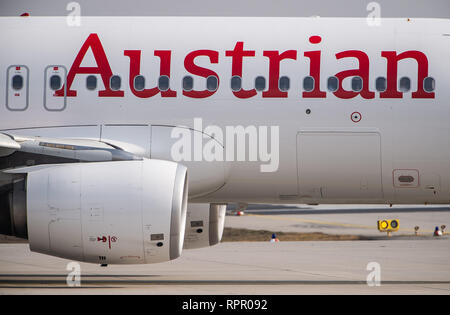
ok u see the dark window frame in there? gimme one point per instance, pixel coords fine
(385, 84)
(240, 83)
(208, 82)
(111, 82)
(328, 84)
(160, 87)
(258, 87)
(433, 83)
(14, 83)
(191, 79)
(138, 77)
(288, 80)
(362, 84)
(405, 79)
(307, 89)
(94, 79)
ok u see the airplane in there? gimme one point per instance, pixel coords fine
(123, 139)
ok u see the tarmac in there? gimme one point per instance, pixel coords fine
(406, 264)
(341, 219)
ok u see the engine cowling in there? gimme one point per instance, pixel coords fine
(128, 212)
(204, 225)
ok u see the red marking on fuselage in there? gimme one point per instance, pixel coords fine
(237, 54)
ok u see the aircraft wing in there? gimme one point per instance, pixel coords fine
(83, 150)
(7, 142)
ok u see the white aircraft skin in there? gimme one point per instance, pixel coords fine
(326, 156)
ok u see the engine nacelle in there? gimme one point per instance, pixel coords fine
(128, 212)
(204, 224)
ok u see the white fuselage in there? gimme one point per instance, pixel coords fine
(395, 150)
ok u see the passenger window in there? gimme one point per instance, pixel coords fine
(357, 84)
(333, 84)
(429, 84)
(284, 84)
(139, 82)
(91, 82)
(260, 83)
(163, 83)
(17, 82)
(55, 82)
(405, 84)
(308, 84)
(115, 82)
(211, 83)
(236, 83)
(188, 83)
(380, 84)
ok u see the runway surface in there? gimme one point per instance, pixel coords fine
(407, 267)
(409, 264)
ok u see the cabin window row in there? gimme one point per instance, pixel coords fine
(357, 84)
(212, 82)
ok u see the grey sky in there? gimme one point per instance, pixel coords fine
(327, 8)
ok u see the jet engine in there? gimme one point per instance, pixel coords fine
(204, 225)
(127, 212)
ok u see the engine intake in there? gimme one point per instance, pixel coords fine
(18, 210)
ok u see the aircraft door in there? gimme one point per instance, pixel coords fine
(55, 79)
(339, 165)
(17, 88)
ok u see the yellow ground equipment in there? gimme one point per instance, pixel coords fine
(388, 226)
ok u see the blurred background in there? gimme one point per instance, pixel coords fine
(295, 8)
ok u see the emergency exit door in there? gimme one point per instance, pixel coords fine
(17, 88)
(55, 88)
